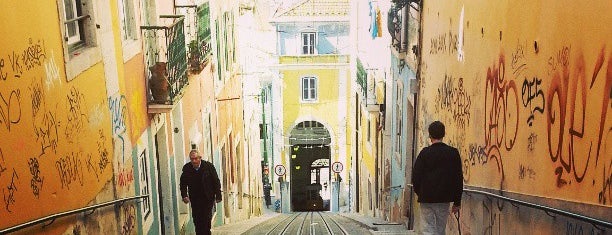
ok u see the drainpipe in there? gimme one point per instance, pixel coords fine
(416, 108)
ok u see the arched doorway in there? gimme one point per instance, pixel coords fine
(309, 167)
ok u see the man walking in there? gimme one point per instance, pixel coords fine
(200, 186)
(437, 178)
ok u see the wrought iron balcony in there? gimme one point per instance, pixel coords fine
(166, 60)
(197, 28)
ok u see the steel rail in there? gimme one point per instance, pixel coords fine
(53, 217)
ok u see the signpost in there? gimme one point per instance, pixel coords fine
(280, 170)
(337, 167)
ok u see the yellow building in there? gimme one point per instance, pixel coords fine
(313, 65)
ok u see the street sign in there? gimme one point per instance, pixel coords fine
(337, 167)
(280, 170)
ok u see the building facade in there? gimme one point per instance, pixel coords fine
(313, 66)
(103, 101)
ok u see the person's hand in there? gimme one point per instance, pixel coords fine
(456, 210)
(186, 200)
(217, 200)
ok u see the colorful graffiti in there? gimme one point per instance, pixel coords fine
(569, 96)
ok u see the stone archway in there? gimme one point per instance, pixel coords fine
(309, 167)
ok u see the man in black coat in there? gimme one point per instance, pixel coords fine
(200, 186)
(437, 178)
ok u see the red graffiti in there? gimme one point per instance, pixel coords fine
(501, 113)
(125, 176)
(568, 94)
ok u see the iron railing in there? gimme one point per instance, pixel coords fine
(593, 221)
(166, 44)
(53, 217)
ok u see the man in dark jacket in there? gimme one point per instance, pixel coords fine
(200, 185)
(437, 178)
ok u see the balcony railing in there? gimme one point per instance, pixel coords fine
(166, 58)
(197, 28)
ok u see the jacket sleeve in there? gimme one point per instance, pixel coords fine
(216, 183)
(458, 176)
(183, 183)
(417, 173)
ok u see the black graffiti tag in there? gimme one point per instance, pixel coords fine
(76, 116)
(533, 96)
(10, 108)
(2, 164)
(9, 192)
(37, 181)
(69, 169)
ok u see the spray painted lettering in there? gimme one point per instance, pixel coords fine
(37, 181)
(128, 213)
(31, 57)
(125, 177)
(118, 110)
(2, 164)
(70, 169)
(518, 60)
(501, 113)
(455, 100)
(531, 91)
(440, 44)
(9, 192)
(531, 142)
(52, 72)
(76, 116)
(559, 59)
(10, 108)
(526, 171)
(606, 185)
(562, 100)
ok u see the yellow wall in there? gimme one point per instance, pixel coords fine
(55, 144)
(327, 103)
(136, 97)
(526, 119)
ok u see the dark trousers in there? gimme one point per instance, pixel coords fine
(202, 216)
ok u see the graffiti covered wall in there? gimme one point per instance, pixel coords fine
(525, 95)
(55, 139)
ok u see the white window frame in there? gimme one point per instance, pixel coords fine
(81, 50)
(145, 184)
(308, 47)
(311, 89)
(129, 33)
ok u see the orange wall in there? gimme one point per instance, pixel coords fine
(524, 88)
(55, 148)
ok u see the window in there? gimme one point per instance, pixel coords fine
(308, 43)
(78, 30)
(128, 23)
(309, 89)
(129, 34)
(369, 131)
(144, 184)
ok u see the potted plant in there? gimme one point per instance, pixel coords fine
(158, 83)
(195, 62)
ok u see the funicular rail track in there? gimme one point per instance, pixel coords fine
(308, 223)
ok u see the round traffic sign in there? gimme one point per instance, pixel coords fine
(337, 167)
(280, 170)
